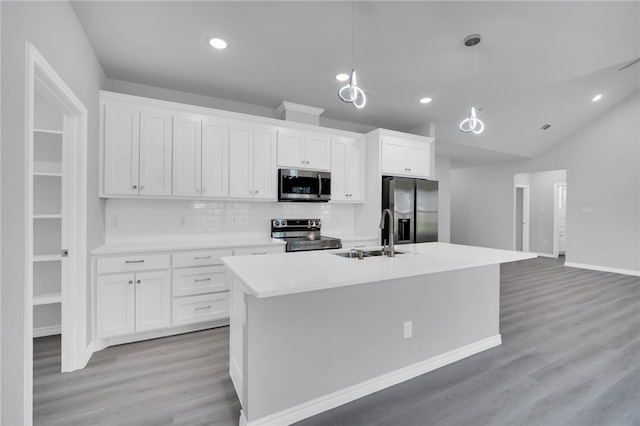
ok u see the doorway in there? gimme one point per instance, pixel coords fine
(55, 238)
(540, 212)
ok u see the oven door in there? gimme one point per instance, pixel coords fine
(303, 185)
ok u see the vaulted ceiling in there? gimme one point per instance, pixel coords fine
(539, 62)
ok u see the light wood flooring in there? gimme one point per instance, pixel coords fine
(570, 356)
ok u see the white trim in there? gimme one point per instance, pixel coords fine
(343, 396)
(525, 216)
(631, 272)
(290, 106)
(41, 77)
(51, 330)
(549, 255)
(556, 218)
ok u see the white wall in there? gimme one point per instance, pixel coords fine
(53, 28)
(443, 176)
(603, 174)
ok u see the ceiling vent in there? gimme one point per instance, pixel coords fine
(289, 111)
(545, 127)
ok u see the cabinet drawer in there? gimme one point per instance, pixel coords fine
(207, 279)
(193, 309)
(244, 251)
(200, 258)
(146, 262)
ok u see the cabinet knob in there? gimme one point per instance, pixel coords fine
(135, 186)
(138, 281)
(130, 281)
(255, 192)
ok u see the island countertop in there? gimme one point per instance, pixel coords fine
(290, 273)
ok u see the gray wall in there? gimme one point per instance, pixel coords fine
(603, 173)
(53, 28)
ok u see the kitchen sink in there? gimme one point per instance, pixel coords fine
(365, 253)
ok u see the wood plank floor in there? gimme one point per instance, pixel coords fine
(570, 356)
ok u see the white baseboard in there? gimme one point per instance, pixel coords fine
(47, 331)
(603, 269)
(343, 396)
(550, 255)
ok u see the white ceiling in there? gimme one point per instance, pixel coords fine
(539, 62)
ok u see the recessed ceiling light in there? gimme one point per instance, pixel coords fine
(218, 43)
(342, 77)
(596, 98)
(425, 100)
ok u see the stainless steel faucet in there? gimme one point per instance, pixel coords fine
(391, 251)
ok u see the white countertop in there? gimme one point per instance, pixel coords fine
(291, 273)
(194, 242)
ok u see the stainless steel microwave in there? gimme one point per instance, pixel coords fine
(303, 185)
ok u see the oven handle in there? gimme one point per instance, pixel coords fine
(319, 186)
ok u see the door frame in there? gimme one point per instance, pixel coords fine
(41, 77)
(525, 216)
(556, 219)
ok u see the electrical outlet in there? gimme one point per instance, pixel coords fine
(114, 222)
(408, 329)
(182, 221)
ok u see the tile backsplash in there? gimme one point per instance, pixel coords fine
(130, 219)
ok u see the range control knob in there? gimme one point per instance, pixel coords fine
(283, 222)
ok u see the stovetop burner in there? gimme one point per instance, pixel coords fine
(303, 234)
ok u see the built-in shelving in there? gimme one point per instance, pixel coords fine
(47, 217)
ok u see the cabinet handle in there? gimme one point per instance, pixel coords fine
(130, 281)
(134, 261)
(255, 192)
(135, 186)
(203, 257)
(262, 252)
(361, 245)
(200, 308)
(138, 282)
(307, 162)
(203, 279)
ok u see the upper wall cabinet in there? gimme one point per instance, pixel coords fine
(200, 157)
(252, 161)
(406, 157)
(304, 150)
(347, 170)
(137, 151)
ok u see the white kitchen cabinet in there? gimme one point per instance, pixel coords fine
(249, 251)
(304, 150)
(137, 151)
(133, 302)
(252, 162)
(200, 157)
(347, 170)
(405, 157)
(196, 309)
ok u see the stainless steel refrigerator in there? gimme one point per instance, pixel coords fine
(414, 203)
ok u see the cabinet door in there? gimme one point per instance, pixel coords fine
(355, 170)
(317, 151)
(418, 159)
(155, 153)
(153, 300)
(291, 149)
(215, 158)
(240, 160)
(394, 156)
(121, 149)
(115, 305)
(265, 179)
(339, 191)
(187, 155)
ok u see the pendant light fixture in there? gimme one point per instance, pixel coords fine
(351, 93)
(472, 123)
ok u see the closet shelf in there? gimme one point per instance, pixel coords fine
(47, 299)
(48, 174)
(47, 257)
(47, 216)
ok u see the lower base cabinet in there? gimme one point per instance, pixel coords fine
(194, 309)
(142, 292)
(133, 302)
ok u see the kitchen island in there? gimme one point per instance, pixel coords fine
(311, 331)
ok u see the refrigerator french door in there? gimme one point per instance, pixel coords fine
(414, 203)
